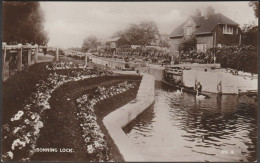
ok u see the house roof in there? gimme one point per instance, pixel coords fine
(198, 20)
(205, 25)
(209, 24)
(177, 32)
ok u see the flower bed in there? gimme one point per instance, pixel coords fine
(97, 149)
(62, 66)
(21, 133)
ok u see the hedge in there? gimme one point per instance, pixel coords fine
(241, 58)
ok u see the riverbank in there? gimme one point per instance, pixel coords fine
(119, 118)
(209, 78)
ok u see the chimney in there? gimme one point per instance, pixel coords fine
(197, 12)
(208, 12)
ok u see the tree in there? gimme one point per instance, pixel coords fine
(142, 34)
(164, 41)
(23, 23)
(255, 6)
(188, 44)
(241, 58)
(90, 42)
(249, 34)
(118, 34)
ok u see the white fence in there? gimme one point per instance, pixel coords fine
(20, 49)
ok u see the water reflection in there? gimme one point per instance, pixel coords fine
(181, 128)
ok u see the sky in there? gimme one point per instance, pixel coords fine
(68, 23)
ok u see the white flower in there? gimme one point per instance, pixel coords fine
(101, 134)
(17, 117)
(26, 121)
(90, 149)
(97, 144)
(33, 116)
(10, 154)
(16, 129)
(87, 139)
(39, 124)
(27, 140)
(18, 143)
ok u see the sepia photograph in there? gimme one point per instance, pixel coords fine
(116, 81)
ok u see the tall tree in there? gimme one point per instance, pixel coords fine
(90, 42)
(143, 34)
(118, 34)
(164, 41)
(250, 34)
(23, 22)
(255, 6)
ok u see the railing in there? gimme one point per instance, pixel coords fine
(20, 49)
(17, 63)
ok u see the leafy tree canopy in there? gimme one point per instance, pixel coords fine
(23, 23)
(255, 6)
(164, 41)
(90, 42)
(188, 44)
(250, 34)
(144, 33)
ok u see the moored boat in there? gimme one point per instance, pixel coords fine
(173, 76)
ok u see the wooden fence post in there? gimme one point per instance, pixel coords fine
(29, 57)
(20, 57)
(36, 54)
(57, 55)
(3, 55)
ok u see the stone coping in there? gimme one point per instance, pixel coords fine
(119, 118)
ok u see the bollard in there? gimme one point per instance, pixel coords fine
(57, 55)
(29, 57)
(36, 54)
(19, 59)
(86, 61)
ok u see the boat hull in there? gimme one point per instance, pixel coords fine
(189, 90)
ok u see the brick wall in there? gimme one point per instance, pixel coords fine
(173, 42)
(227, 39)
(205, 39)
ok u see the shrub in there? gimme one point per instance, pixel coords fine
(241, 58)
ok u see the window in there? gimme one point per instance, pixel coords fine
(237, 31)
(227, 29)
(189, 31)
(201, 47)
(176, 47)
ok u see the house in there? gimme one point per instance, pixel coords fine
(116, 42)
(210, 30)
